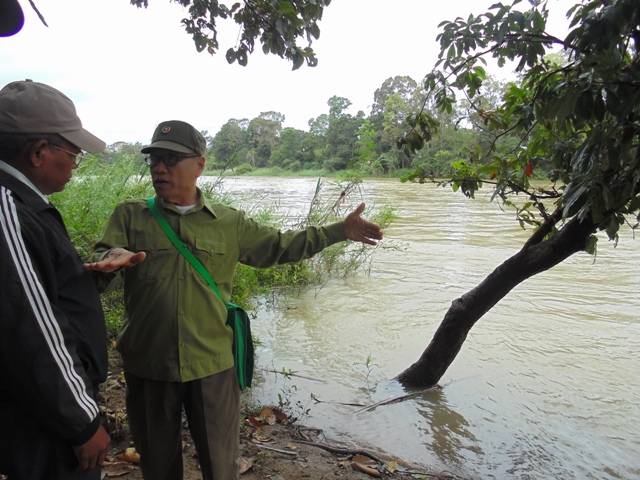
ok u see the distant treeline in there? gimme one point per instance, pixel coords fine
(338, 141)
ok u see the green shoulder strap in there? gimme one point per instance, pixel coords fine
(180, 246)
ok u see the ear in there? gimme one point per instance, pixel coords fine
(201, 164)
(36, 153)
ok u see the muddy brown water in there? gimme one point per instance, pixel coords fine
(546, 385)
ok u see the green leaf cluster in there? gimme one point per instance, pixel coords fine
(573, 120)
(278, 25)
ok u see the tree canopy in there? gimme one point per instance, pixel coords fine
(577, 121)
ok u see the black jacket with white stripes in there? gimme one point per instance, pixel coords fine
(53, 345)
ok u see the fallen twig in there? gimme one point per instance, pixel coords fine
(289, 374)
(317, 400)
(397, 398)
(299, 431)
(342, 451)
(400, 398)
(279, 450)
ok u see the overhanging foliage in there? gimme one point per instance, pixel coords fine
(578, 120)
(277, 24)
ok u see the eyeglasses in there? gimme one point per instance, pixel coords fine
(77, 157)
(169, 160)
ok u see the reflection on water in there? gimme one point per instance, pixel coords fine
(546, 385)
(445, 432)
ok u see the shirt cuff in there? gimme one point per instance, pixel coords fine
(87, 433)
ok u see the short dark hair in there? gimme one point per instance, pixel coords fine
(12, 144)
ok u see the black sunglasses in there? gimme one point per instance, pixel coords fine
(169, 160)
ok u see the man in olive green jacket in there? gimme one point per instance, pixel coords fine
(175, 344)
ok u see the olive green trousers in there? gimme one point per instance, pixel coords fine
(212, 408)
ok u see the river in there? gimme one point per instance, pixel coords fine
(546, 385)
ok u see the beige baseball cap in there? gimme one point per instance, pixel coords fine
(31, 107)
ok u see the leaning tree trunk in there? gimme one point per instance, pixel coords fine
(536, 256)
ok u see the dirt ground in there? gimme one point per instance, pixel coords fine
(271, 448)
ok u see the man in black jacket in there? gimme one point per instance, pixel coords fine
(53, 346)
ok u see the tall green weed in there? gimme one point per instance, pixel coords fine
(94, 191)
(87, 203)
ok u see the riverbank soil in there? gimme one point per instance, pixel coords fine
(271, 447)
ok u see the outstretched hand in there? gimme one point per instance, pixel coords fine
(360, 230)
(116, 259)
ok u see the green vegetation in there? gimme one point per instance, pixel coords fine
(573, 117)
(338, 141)
(100, 184)
(368, 366)
(95, 190)
(294, 408)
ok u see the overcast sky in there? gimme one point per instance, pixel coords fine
(127, 69)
